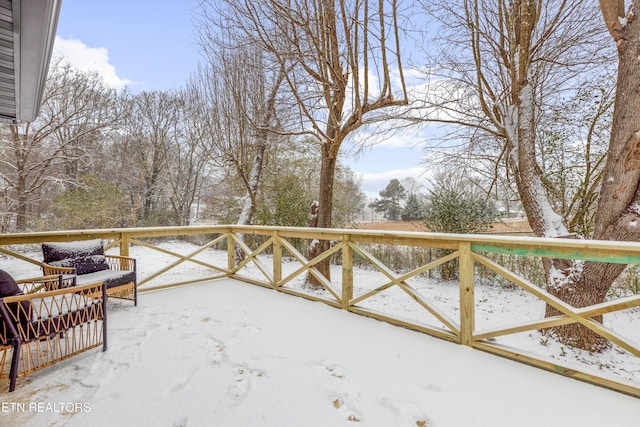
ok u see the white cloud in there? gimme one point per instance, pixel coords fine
(368, 138)
(87, 58)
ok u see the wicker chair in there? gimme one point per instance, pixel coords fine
(41, 327)
(85, 262)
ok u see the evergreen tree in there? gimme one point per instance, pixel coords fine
(390, 200)
(454, 206)
(413, 210)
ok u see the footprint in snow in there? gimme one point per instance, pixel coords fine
(183, 381)
(242, 381)
(333, 370)
(210, 320)
(346, 411)
(217, 353)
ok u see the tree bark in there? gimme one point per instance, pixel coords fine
(618, 213)
(581, 289)
(324, 213)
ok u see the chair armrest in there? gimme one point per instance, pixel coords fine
(51, 270)
(37, 284)
(119, 262)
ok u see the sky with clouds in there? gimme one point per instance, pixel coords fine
(152, 45)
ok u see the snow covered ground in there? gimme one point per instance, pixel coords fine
(231, 354)
(226, 353)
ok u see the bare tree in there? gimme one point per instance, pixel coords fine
(619, 199)
(343, 65)
(618, 209)
(509, 61)
(77, 108)
(241, 85)
(188, 162)
(147, 142)
(506, 60)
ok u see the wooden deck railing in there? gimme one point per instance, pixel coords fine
(271, 249)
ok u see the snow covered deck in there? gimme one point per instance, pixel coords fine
(226, 353)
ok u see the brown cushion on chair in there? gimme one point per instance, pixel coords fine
(9, 288)
(84, 264)
(57, 251)
(120, 279)
(111, 278)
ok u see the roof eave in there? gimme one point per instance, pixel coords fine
(35, 23)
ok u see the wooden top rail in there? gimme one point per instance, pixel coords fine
(592, 250)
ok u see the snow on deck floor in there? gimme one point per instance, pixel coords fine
(231, 354)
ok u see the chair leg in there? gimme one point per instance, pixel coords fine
(104, 317)
(13, 373)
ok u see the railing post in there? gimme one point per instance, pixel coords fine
(347, 271)
(467, 300)
(231, 253)
(124, 244)
(277, 260)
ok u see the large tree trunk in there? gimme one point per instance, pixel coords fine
(324, 212)
(618, 213)
(618, 208)
(542, 219)
(581, 288)
(249, 207)
(335, 97)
